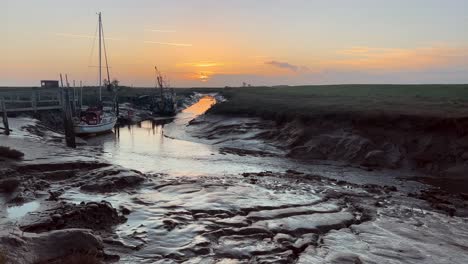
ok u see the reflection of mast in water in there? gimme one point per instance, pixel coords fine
(162, 132)
(117, 132)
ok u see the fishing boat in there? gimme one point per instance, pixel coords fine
(166, 103)
(97, 119)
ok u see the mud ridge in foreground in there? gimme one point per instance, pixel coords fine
(262, 217)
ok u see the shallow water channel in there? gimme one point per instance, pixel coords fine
(163, 146)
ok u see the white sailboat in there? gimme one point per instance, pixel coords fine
(96, 119)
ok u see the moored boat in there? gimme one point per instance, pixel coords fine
(166, 103)
(96, 119)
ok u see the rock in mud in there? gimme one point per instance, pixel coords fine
(9, 153)
(125, 210)
(245, 152)
(375, 158)
(92, 215)
(111, 180)
(9, 185)
(444, 202)
(26, 248)
(294, 172)
(314, 223)
(457, 172)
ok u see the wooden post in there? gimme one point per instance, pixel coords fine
(70, 98)
(60, 97)
(67, 117)
(75, 98)
(5, 118)
(81, 95)
(69, 132)
(34, 100)
(73, 106)
(117, 107)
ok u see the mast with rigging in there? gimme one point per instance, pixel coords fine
(96, 119)
(100, 61)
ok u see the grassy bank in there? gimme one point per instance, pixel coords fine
(421, 127)
(444, 101)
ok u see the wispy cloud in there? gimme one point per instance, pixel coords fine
(169, 43)
(82, 36)
(161, 30)
(283, 65)
(287, 66)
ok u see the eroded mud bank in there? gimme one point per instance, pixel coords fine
(436, 147)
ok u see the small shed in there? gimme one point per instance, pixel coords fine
(49, 84)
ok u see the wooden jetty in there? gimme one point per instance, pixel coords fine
(31, 99)
(39, 99)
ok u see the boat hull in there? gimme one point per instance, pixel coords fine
(94, 129)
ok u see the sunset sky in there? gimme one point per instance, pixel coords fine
(225, 43)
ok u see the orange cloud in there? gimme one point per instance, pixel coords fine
(388, 59)
(203, 77)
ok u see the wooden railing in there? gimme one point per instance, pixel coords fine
(31, 99)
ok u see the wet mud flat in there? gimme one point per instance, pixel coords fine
(60, 204)
(116, 214)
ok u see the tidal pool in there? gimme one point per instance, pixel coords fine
(16, 212)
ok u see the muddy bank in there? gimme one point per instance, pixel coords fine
(39, 226)
(434, 146)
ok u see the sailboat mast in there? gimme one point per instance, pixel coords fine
(100, 62)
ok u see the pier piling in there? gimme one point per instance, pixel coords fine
(6, 126)
(67, 116)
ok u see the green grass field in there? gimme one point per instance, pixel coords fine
(445, 101)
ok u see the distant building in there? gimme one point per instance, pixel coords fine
(49, 84)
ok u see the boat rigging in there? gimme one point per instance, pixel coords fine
(97, 119)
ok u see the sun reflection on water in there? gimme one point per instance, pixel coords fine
(202, 106)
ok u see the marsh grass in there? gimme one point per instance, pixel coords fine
(446, 101)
